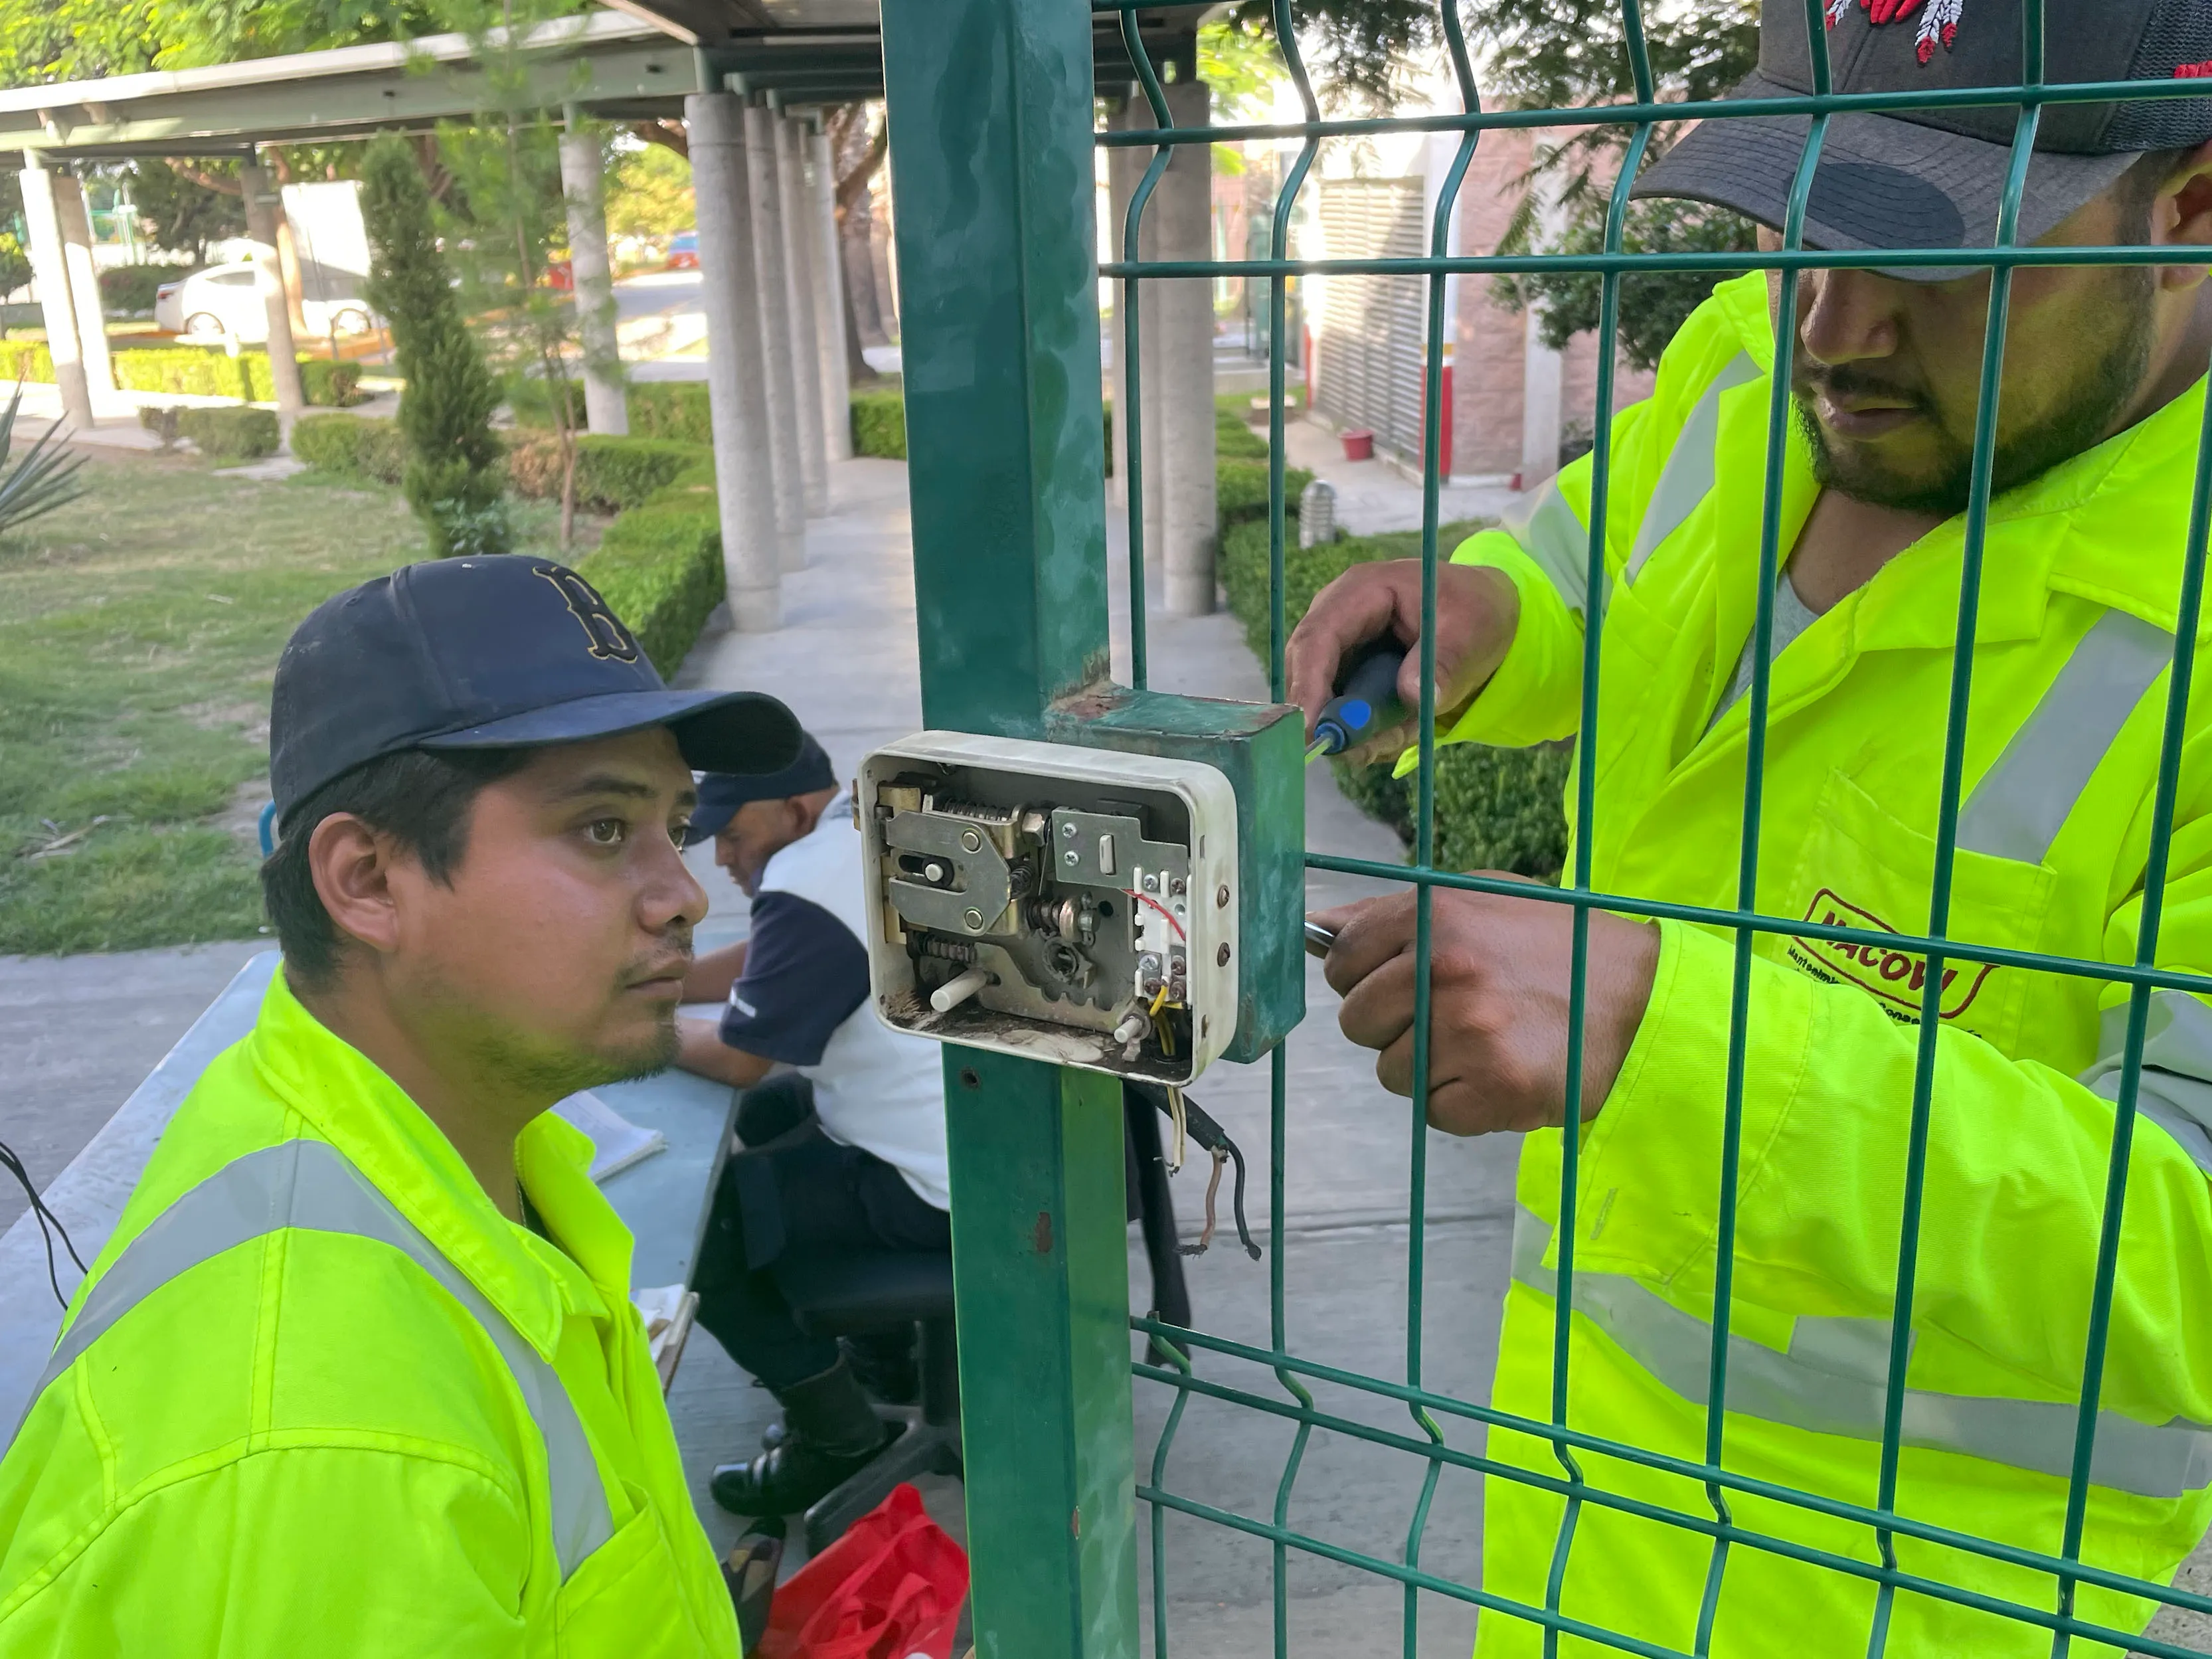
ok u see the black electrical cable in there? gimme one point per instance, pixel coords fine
(1211, 1137)
(45, 1218)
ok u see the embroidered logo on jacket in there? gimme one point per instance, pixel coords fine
(1896, 978)
(1939, 19)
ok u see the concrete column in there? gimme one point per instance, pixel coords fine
(49, 270)
(737, 373)
(264, 208)
(1185, 311)
(605, 409)
(84, 292)
(829, 290)
(799, 277)
(1542, 373)
(774, 288)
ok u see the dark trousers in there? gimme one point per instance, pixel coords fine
(792, 1191)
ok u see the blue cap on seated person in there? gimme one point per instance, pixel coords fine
(500, 652)
(720, 793)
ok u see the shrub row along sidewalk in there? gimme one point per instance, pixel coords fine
(194, 370)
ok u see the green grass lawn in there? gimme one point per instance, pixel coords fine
(139, 631)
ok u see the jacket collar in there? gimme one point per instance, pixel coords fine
(2111, 526)
(344, 1098)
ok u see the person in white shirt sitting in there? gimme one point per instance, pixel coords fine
(864, 1170)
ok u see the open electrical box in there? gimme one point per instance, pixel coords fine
(1073, 905)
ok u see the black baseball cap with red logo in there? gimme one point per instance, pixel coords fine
(1933, 178)
(501, 652)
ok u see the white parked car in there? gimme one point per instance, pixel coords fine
(224, 300)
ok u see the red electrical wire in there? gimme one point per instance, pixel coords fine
(1145, 899)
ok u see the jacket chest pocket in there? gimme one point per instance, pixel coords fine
(1860, 867)
(626, 1597)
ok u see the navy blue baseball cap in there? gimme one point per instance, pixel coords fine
(501, 652)
(720, 793)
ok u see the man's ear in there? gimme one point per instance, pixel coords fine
(2181, 215)
(351, 864)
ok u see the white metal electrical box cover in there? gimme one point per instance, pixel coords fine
(1066, 905)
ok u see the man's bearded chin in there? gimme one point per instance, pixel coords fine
(2112, 362)
(554, 1071)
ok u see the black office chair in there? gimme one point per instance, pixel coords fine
(861, 1294)
(867, 1292)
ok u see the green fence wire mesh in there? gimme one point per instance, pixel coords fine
(1880, 1525)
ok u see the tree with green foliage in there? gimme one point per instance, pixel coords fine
(185, 210)
(15, 270)
(452, 479)
(508, 221)
(649, 191)
(1544, 54)
(1552, 54)
(43, 41)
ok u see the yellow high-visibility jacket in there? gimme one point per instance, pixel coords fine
(2080, 590)
(319, 1398)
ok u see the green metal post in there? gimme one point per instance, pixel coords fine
(990, 108)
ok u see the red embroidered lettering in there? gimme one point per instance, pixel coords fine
(1896, 978)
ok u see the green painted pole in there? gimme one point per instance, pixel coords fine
(989, 105)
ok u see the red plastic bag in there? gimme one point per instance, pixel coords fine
(891, 1587)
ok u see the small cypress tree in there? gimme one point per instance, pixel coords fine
(454, 477)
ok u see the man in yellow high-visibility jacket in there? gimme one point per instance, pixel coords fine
(2101, 419)
(358, 1373)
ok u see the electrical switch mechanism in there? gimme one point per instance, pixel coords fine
(1067, 904)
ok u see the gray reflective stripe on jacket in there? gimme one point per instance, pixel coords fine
(2017, 808)
(1548, 531)
(2176, 1089)
(1687, 476)
(308, 1186)
(1834, 1377)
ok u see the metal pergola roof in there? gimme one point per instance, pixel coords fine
(639, 63)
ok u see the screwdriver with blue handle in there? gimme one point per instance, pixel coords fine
(1365, 705)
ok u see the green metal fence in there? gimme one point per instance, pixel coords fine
(990, 105)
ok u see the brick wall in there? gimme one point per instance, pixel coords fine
(1487, 375)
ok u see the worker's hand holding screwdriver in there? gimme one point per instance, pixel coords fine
(1477, 609)
(1500, 977)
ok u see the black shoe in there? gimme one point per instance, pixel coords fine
(830, 1433)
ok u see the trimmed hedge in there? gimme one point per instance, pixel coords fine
(879, 424)
(660, 565)
(1497, 809)
(351, 447)
(130, 289)
(26, 359)
(612, 474)
(675, 409)
(1240, 490)
(201, 371)
(230, 434)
